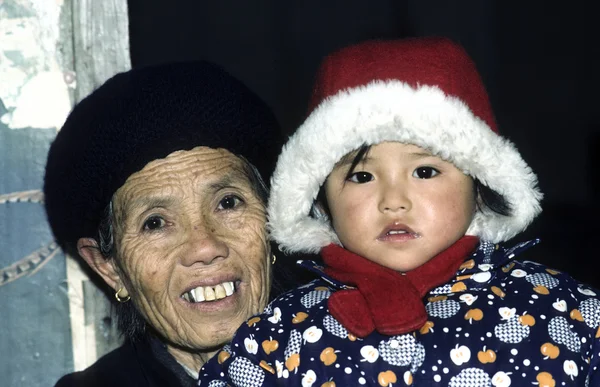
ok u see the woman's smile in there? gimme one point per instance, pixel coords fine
(210, 293)
(215, 299)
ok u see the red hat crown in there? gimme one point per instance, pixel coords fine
(416, 62)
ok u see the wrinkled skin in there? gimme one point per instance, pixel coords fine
(190, 219)
(399, 186)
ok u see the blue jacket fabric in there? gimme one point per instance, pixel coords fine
(499, 322)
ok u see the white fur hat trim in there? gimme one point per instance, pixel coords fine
(394, 111)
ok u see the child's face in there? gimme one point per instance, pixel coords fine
(401, 206)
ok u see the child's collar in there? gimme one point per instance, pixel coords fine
(487, 258)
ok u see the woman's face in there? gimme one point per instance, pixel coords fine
(191, 246)
(401, 206)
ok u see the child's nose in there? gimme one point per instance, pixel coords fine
(394, 198)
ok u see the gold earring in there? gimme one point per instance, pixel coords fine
(273, 259)
(122, 300)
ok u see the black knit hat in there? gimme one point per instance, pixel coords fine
(142, 115)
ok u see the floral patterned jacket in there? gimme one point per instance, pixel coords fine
(499, 322)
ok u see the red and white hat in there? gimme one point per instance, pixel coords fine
(421, 91)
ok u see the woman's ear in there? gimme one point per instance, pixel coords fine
(106, 268)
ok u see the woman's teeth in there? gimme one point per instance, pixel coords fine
(210, 293)
(394, 232)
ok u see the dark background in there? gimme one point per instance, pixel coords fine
(537, 59)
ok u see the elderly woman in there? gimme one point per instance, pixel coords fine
(156, 181)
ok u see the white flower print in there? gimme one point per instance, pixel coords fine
(279, 368)
(501, 379)
(485, 266)
(481, 277)
(468, 298)
(560, 305)
(460, 355)
(309, 378)
(312, 334)
(282, 372)
(251, 345)
(507, 313)
(587, 292)
(570, 368)
(369, 353)
(276, 317)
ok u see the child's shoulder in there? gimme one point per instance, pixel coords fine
(544, 285)
(513, 265)
(303, 298)
(547, 281)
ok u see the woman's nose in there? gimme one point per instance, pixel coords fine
(205, 246)
(394, 197)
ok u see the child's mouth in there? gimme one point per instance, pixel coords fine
(398, 233)
(395, 232)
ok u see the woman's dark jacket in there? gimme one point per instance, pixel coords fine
(143, 363)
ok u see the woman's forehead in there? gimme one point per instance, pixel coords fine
(181, 158)
(201, 167)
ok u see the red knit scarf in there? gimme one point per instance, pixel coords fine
(385, 300)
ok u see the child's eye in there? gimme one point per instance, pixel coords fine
(229, 202)
(360, 177)
(154, 223)
(425, 172)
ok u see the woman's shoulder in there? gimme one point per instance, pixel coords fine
(120, 367)
(117, 367)
(131, 364)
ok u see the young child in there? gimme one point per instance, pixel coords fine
(399, 178)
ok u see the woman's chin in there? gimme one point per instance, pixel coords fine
(213, 322)
(209, 324)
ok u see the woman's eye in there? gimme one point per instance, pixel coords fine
(425, 172)
(229, 202)
(360, 177)
(154, 223)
